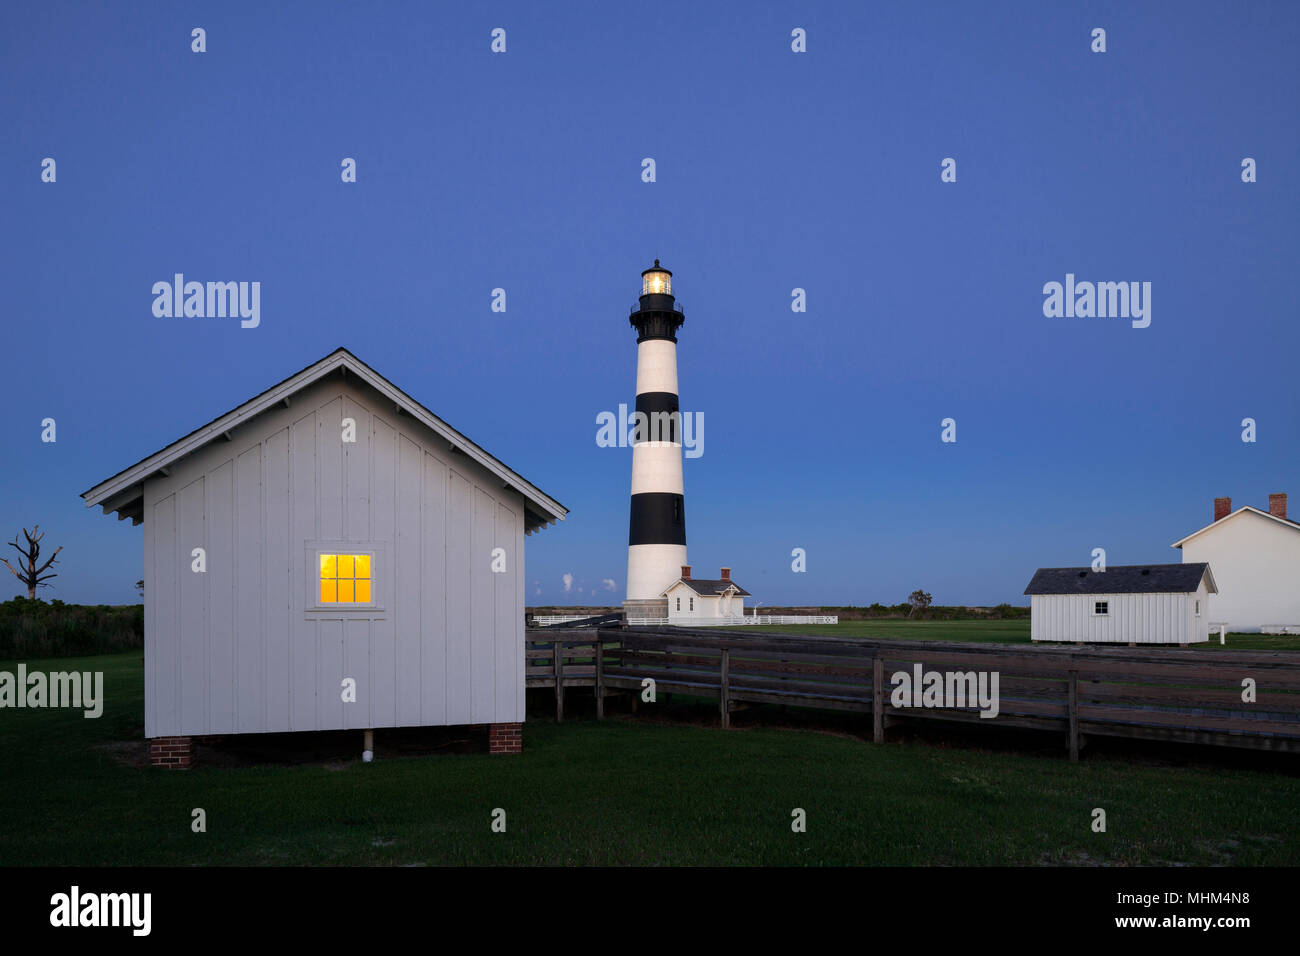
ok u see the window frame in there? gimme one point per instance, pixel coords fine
(380, 577)
(1102, 604)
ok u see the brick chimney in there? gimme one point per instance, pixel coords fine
(1277, 505)
(686, 572)
(1222, 508)
(726, 572)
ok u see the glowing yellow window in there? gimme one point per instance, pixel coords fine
(345, 579)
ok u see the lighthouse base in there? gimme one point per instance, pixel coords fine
(654, 611)
(653, 568)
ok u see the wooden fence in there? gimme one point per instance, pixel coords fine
(1166, 694)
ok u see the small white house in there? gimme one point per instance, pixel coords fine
(329, 555)
(1129, 604)
(1256, 560)
(704, 600)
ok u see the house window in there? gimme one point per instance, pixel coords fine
(692, 604)
(679, 604)
(344, 578)
(1101, 608)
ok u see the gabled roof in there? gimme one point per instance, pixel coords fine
(707, 587)
(1123, 579)
(1285, 522)
(124, 492)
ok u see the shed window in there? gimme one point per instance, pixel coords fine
(1101, 607)
(345, 579)
(1198, 607)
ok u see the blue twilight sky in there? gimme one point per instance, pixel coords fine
(775, 170)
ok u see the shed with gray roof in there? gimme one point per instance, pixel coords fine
(1123, 604)
(329, 555)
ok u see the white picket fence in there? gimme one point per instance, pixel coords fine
(705, 621)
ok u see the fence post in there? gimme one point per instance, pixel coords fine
(724, 690)
(600, 679)
(559, 682)
(877, 699)
(1074, 715)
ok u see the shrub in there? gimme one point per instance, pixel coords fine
(33, 628)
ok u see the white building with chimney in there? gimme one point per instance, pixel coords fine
(702, 601)
(1256, 560)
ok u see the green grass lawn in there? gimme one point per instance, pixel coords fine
(621, 791)
(994, 632)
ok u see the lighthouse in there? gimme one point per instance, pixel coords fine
(656, 544)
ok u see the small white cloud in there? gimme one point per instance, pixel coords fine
(538, 591)
(568, 582)
(609, 584)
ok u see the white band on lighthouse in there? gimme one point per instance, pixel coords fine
(651, 568)
(656, 366)
(657, 466)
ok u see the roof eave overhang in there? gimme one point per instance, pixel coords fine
(125, 490)
(1208, 577)
(1244, 508)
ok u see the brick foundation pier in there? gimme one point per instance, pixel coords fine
(505, 738)
(174, 753)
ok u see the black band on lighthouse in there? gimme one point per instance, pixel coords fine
(664, 404)
(658, 517)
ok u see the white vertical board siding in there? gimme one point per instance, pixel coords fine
(273, 708)
(257, 536)
(403, 634)
(506, 651)
(385, 520)
(329, 631)
(161, 640)
(150, 586)
(1140, 618)
(221, 599)
(515, 634)
(482, 642)
(302, 635)
(193, 609)
(240, 649)
(456, 589)
(434, 710)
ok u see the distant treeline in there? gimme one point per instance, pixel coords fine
(30, 629)
(935, 612)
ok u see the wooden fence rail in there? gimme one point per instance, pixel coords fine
(1237, 698)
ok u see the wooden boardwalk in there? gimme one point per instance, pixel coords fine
(1171, 694)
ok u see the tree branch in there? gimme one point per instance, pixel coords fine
(51, 561)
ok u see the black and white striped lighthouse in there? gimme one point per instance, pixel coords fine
(656, 544)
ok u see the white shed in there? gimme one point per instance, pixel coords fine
(329, 555)
(1138, 604)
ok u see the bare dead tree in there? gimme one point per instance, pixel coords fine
(31, 575)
